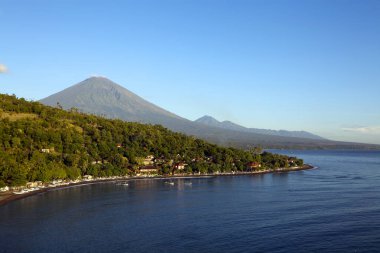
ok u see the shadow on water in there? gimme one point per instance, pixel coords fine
(280, 178)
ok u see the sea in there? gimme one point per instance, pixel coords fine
(334, 207)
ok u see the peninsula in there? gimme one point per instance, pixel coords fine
(43, 146)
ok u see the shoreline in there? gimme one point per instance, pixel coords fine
(9, 196)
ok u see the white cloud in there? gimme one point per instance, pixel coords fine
(363, 130)
(3, 68)
(96, 75)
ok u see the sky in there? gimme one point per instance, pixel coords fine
(296, 65)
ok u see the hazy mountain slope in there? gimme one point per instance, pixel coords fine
(101, 96)
(210, 121)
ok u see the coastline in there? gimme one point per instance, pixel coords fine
(9, 196)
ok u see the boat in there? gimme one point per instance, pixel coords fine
(123, 183)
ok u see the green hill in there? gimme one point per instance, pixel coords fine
(42, 143)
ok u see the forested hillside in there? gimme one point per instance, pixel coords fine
(42, 143)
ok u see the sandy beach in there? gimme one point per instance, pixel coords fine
(6, 197)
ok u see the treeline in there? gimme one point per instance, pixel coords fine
(41, 143)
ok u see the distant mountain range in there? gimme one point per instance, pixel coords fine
(101, 96)
(210, 121)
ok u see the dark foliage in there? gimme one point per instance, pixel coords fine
(41, 143)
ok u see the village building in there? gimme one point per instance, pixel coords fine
(34, 184)
(57, 181)
(149, 160)
(4, 189)
(179, 166)
(253, 166)
(292, 160)
(198, 159)
(148, 170)
(160, 160)
(88, 177)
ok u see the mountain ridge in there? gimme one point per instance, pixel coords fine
(211, 121)
(101, 96)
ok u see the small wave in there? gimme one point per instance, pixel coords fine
(341, 176)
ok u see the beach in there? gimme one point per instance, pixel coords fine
(9, 196)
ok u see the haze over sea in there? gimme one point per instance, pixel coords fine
(316, 210)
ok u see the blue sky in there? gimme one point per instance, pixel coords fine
(296, 65)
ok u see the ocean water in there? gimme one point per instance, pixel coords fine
(334, 208)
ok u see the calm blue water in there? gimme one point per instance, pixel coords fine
(335, 208)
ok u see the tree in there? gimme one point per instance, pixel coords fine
(45, 143)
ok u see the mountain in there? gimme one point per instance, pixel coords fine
(210, 121)
(101, 96)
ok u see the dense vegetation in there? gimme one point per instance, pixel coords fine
(41, 143)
